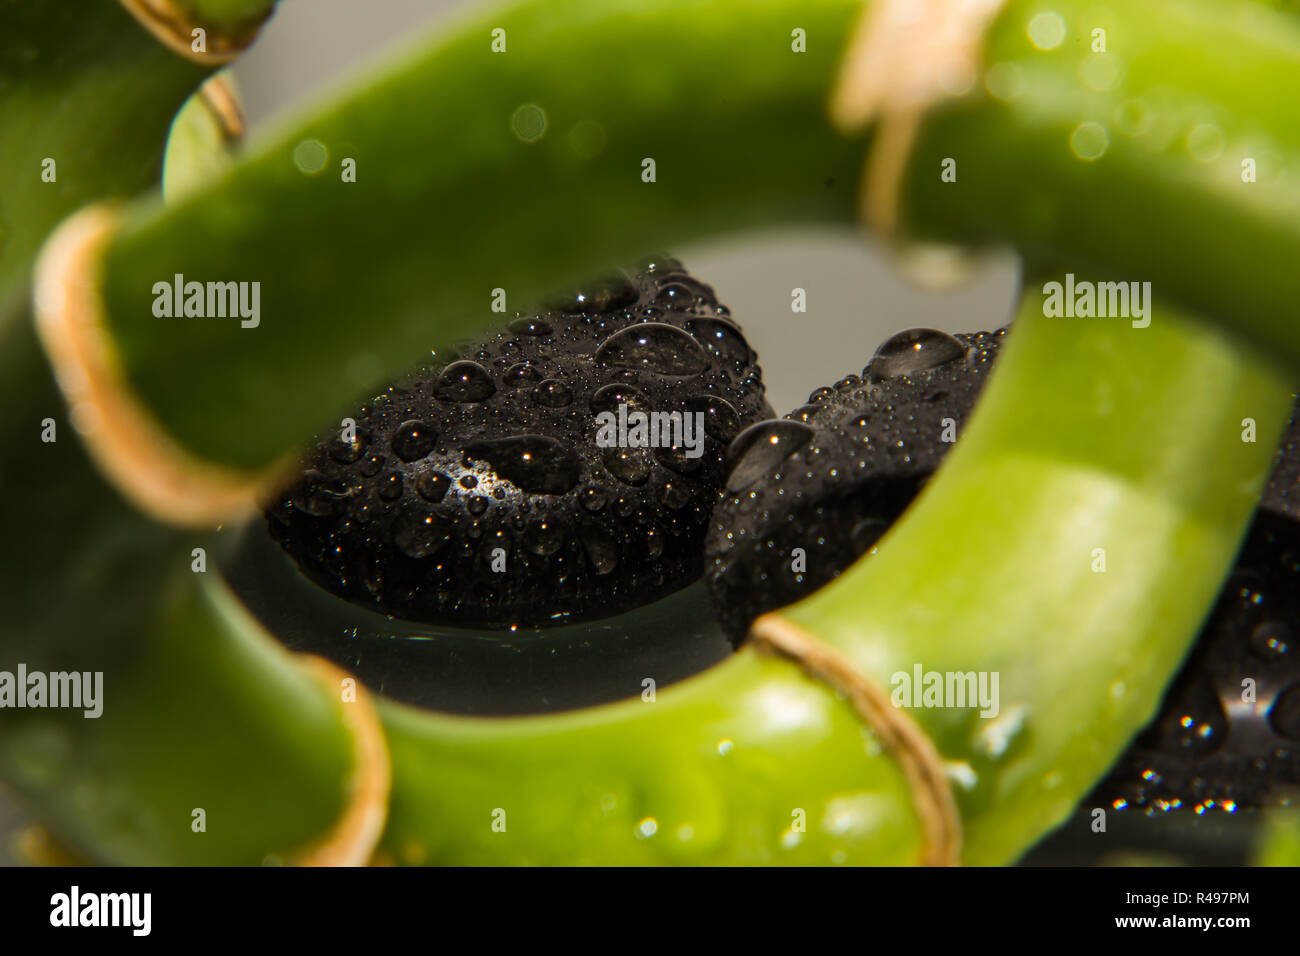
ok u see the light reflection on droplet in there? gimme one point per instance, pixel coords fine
(647, 828)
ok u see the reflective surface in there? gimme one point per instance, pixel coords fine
(479, 671)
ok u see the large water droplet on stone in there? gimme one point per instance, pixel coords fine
(390, 486)
(1284, 715)
(659, 263)
(720, 337)
(553, 393)
(418, 536)
(520, 374)
(629, 465)
(316, 494)
(1271, 639)
(721, 420)
(601, 548)
(914, 350)
(530, 327)
(433, 486)
(684, 293)
(606, 294)
(1197, 725)
(544, 538)
(530, 462)
(607, 398)
(676, 458)
(761, 447)
(654, 347)
(345, 452)
(593, 499)
(463, 381)
(413, 440)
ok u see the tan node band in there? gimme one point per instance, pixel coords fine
(174, 29)
(353, 839)
(219, 97)
(126, 441)
(921, 764)
(905, 56)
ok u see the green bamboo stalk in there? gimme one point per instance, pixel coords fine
(84, 86)
(771, 157)
(86, 584)
(449, 203)
(1186, 93)
(1170, 470)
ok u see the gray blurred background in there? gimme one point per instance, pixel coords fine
(855, 297)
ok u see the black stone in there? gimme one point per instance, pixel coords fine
(497, 450)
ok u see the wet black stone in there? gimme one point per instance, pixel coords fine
(497, 450)
(822, 481)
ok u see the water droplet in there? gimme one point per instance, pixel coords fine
(1271, 639)
(866, 533)
(530, 462)
(418, 536)
(464, 381)
(823, 394)
(346, 452)
(593, 499)
(680, 294)
(520, 374)
(544, 538)
(553, 393)
(432, 486)
(720, 337)
(469, 481)
(677, 460)
(477, 505)
(761, 447)
(659, 263)
(629, 465)
(530, 327)
(1284, 715)
(413, 440)
(912, 351)
(721, 420)
(674, 496)
(655, 347)
(607, 294)
(390, 486)
(654, 542)
(607, 398)
(371, 466)
(804, 413)
(601, 548)
(1197, 725)
(316, 495)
